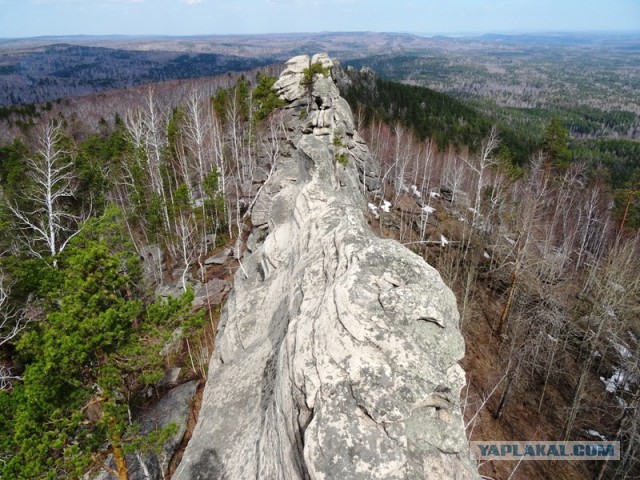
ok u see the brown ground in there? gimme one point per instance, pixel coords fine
(520, 421)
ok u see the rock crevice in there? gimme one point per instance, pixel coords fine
(337, 354)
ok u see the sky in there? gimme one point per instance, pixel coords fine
(28, 18)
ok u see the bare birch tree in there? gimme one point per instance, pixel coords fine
(613, 300)
(43, 215)
(12, 322)
(532, 195)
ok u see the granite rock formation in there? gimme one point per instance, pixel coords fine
(337, 353)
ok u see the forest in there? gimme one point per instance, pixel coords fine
(535, 230)
(82, 332)
(55, 72)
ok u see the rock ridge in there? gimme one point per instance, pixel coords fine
(337, 352)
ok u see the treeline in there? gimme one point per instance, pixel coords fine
(596, 82)
(619, 158)
(429, 114)
(582, 122)
(90, 228)
(23, 116)
(451, 122)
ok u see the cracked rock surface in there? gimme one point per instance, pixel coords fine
(337, 354)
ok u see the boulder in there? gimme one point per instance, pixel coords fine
(288, 85)
(210, 293)
(219, 258)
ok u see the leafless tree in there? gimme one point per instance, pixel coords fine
(628, 434)
(147, 132)
(12, 322)
(455, 173)
(613, 299)
(559, 229)
(185, 244)
(45, 222)
(480, 166)
(198, 128)
(588, 213)
(204, 142)
(532, 195)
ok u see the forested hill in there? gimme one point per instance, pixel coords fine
(430, 114)
(51, 72)
(450, 121)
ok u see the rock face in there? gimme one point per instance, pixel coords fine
(174, 408)
(337, 352)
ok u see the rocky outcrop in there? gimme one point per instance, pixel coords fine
(174, 408)
(337, 352)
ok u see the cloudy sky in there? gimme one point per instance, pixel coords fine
(26, 18)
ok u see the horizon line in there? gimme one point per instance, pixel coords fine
(451, 34)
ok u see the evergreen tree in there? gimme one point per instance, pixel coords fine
(96, 347)
(556, 143)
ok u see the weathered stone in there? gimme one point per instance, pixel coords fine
(256, 237)
(288, 85)
(171, 376)
(219, 258)
(174, 407)
(210, 293)
(210, 239)
(323, 59)
(174, 344)
(169, 290)
(337, 355)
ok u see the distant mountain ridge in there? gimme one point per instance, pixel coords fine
(50, 72)
(30, 72)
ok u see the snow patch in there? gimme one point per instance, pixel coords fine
(619, 379)
(623, 351)
(594, 433)
(374, 210)
(386, 205)
(428, 210)
(486, 255)
(415, 191)
(443, 241)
